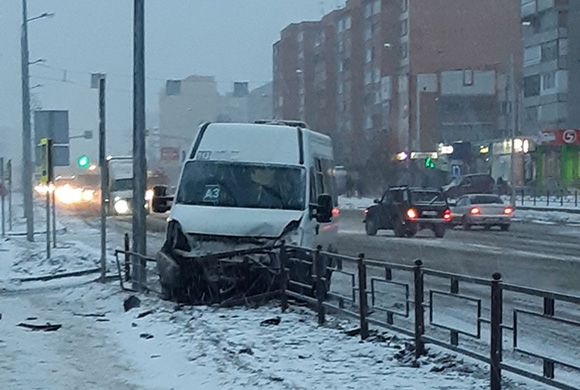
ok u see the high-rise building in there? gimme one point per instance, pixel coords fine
(383, 76)
(551, 69)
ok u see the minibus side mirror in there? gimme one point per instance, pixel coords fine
(324, 208)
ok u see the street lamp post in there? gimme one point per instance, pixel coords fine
(26, 126)
(139, 158)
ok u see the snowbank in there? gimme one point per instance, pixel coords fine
(346, 203)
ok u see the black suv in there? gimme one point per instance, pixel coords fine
(407, 210)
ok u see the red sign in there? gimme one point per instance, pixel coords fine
(169, 154)
(562, 137)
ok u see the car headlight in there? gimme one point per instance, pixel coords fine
(121, 206)
(149, 195)
(88, 195)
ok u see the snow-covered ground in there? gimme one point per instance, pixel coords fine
(101, 346)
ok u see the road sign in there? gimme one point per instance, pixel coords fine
(53, 125)
(424, 155)
(46, 165)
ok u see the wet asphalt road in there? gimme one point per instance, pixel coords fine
(544, 256)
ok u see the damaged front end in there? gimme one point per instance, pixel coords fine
(204, 270)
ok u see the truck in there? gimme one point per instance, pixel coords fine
(245, 186)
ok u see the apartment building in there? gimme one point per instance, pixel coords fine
(402, 74)
(551, 64)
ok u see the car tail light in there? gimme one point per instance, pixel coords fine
(475, 211)
(411, 214)
(366, 211)
(335, 212)
(447, 215)
(508, 211)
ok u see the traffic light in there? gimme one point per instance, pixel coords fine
(429, 163)
(83, 162)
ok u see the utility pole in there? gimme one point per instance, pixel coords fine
(104, 176)
(26, 130)
(139, 158)
(514, 109)
(2, 195)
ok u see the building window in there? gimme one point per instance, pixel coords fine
(347, 23)
(368, 10)
(550, 51)
(404, 5)
(505, 108)
(532, 85)
(301, 36)
(563, 47)
(377, 7)
(369, 54)
(368, 78)
(548, 81)
(368, 122)
(404, 50)
(404, 27)
(368, 32)
(468, 77)
(532, 55)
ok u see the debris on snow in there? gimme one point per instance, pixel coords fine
(48, 327)
(145, 313)
(131, 302)
(271, 321)
(246, 350)
(89, 314)
(146, 336)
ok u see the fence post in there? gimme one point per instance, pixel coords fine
(496, 332)
(283, 256)
(561, 198)
(454, 289)
(575, 198)
(127, 248)
(547, 197)
(419, 313)
(523, 195)
(549, 310)
(362, 294)
(319, 268)
(389, 276)
(534, 197)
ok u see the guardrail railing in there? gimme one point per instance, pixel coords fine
(474, 312)
(469, 315)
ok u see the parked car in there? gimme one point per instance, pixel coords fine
(478, 183)
(481, 210)
(407, 210)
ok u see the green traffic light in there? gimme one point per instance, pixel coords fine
(83, 162)
(429, 163)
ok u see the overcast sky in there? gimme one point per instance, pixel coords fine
(231, 39)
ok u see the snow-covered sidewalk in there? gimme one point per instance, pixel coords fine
(101, 346)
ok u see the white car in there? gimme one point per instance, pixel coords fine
(486, 210)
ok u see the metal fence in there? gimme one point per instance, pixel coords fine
(468, 315)
(421, 310)
(547, 198)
